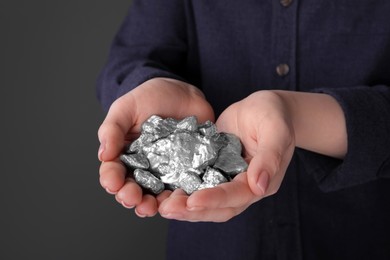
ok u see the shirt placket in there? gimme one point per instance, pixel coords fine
(284, 39)
(283, 67)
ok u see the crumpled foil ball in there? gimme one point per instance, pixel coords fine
(172, 154)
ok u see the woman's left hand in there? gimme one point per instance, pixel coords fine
(263, 123)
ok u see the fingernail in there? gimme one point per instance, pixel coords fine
(139, 214)
(263, 182)
(126, 205)
(101, 150)
(110, 191)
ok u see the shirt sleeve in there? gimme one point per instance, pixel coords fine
(151, 42)
(367, 114)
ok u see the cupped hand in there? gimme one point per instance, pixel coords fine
(158, 96)
(263, 123)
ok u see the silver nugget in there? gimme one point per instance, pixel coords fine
(183, 154)
(148, 181)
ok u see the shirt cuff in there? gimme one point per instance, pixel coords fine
(112, 87)
(367, 114)
(142, 74)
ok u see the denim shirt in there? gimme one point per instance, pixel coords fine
(326, 208)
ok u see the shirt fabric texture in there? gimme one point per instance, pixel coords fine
(325, 208)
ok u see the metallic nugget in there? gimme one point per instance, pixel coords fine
(148, 181)
(171, 154)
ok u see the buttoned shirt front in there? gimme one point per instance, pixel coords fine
(326, 208)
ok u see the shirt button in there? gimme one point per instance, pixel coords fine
(285, 3)
(282, 69)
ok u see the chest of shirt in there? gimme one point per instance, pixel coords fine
(319, 43)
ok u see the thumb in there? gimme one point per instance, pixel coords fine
(266, 170)
(267, 167)
(113, 132)
(261, 169)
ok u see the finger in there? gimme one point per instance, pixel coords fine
(147, 207)
(115, 127)
(260, 170)
(130, 195)
(112, 176)
(213, 215)
(274, 151)
(163, 196)
(236, 193)
(175, 208)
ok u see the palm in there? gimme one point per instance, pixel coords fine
(263, 127)
(164, 97)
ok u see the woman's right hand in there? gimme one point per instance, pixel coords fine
(159, 96)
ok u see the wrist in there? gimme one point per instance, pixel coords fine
(318, 122)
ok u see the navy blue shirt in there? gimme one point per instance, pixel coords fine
(326, 208)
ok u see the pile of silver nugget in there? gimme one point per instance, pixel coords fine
(171, 154)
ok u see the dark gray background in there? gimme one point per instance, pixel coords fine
(51, 203)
